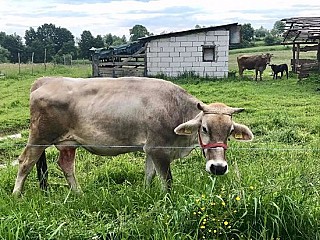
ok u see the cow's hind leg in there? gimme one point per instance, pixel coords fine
(42, 171)
(66, 162)
(27, 160)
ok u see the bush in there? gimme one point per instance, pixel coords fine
(272, 40)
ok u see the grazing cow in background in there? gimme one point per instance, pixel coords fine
(279, 69)
(113, 116)
(257, 62)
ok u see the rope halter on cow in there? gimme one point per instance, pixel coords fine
(212, 145)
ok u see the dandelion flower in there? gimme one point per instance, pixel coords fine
(225, 223)
(251, 187)
(238, 198)
(202, 226)
(214, 231)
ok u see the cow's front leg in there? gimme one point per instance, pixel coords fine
(150, 170)
(27, 160)
(162, 166)
(66, 162)
(256, 74)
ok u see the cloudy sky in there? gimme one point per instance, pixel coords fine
(118, 16)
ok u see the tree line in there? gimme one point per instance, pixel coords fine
(49, 43)
(250, 36)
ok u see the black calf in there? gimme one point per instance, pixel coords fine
(279, 68)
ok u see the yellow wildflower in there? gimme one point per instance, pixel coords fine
(223, 203)
(214, 231)
(225, 223)
(251, 187)
(202, 226)
(238, 198)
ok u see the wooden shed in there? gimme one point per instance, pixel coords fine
(303, 33)
(202, 51)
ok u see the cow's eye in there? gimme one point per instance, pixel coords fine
(204, 130)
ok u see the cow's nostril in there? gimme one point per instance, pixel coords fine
(218, 169)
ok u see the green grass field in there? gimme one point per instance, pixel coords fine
(271, 191)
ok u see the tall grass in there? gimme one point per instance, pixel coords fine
(271, 191)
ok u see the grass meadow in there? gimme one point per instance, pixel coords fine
(270, 192)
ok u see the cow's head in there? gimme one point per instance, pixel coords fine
(267, 57)
(214, 126)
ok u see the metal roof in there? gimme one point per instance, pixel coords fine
(191, 31)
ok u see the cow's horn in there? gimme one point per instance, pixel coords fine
(237, 110)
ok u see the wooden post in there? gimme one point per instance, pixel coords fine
(318, 52)
(45, 59)
(19, 61)
(95, 65)
(298, 53)
(145, 71)
(32, 56)
(294, 58)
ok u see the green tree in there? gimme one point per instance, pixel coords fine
(98, 42)
(13, 43)
(4, 55)
(86, 42)
(108, 40)
(246, 34)
(261, 32)
(119, 40)
(48, 41)
(272, 40)
(138, 31)
(278, 28)
(113, 40)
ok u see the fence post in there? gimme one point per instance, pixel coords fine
(19, 61)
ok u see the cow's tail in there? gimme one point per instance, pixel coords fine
(42, 171)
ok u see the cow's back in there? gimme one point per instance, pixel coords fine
(126, 111)
(248, 61)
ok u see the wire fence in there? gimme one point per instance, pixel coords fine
(251, 148)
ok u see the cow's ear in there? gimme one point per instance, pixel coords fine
(241, 132)
(188, 128)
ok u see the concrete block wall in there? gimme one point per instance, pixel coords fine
(174, 56)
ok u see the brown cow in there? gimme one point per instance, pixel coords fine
(114, 116)
(257, 62)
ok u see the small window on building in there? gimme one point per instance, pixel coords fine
(208, 52)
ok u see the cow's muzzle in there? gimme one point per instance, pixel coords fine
(217, 167)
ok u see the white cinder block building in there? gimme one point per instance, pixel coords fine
(203, 51)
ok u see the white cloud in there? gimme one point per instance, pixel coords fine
(117, 17)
